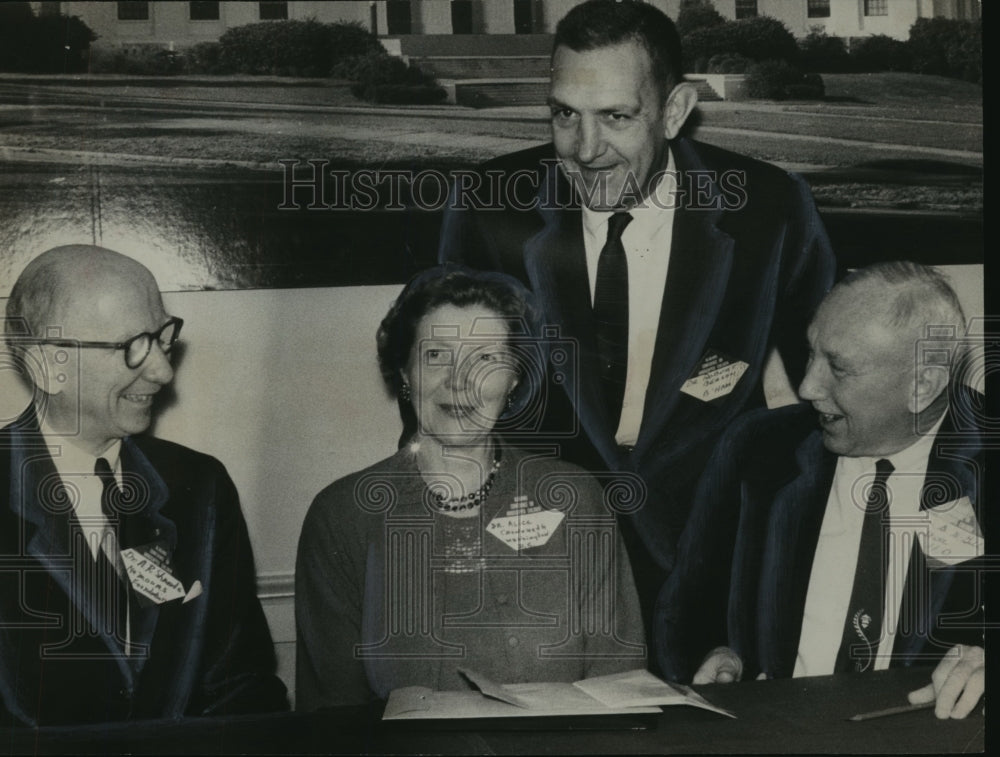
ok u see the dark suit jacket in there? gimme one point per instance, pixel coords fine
(749, 262)
(745, 558)
(211, 655)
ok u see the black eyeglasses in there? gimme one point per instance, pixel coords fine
(136, 349)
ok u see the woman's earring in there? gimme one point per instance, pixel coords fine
(510, 402)
(404, 392)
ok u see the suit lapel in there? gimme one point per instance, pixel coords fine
(952, 473)
(793, 535)
(39, 498)
(700, 262)
(556, 264)
(144, 526)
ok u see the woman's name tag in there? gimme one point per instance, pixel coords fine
(525, 525)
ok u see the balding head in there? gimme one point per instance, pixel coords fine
(91, 298)
(884, 345)
(916, 301)
(67, 278)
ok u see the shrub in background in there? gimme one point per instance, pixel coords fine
(204, 58)
(728, 63)
(48, 44)
(761, 38)
(697, 14)
(947, 47)
(880, 52)
(780, 80)
(139, 60)
(764, 38)
(378, 77)
(810, 87)
(403, 94)
(821, 52)
(293, 48)
(283, 48)
(348, 40)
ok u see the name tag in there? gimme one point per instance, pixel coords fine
(951, 534)
(149, 573)
(715, 377)
(525, 525)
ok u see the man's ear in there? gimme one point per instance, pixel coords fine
(49, 367)
(928, 385)
(680, 102)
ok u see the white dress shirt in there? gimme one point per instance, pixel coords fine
(75, 467)
(647, 243)
(835, 563)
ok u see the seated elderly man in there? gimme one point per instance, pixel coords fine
(854, 544)
(126, 574)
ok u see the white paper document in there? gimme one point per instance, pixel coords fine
(637, 691)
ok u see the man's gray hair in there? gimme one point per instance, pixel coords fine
(31, 300)
(918, 299)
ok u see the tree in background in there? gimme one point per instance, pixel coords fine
(47, 44)
(757, 39)
(293, 48)
(880, 52)
(821, 52)
(697, 14)
(948, 47)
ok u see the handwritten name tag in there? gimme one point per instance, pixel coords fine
(524, 531)
(150, 578)
(952, 533)
(716, 376)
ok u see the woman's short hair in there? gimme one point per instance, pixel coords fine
(456, 285)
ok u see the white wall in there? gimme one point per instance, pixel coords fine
(170, 21)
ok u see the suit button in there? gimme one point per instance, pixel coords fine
(513, 641)
(501, 599)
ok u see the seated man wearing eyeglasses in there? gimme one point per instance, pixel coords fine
(126, 575)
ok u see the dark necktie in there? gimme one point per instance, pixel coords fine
(611, 315)
(112, 600)
(863, 626)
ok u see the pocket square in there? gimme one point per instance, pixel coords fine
(193, 592)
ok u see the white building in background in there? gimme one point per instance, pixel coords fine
(179, 24)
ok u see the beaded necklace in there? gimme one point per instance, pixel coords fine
(472, 499)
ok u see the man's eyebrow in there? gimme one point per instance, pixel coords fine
(630, 109)
(839, 358)
(554, 102)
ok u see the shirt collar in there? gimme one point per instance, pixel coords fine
(649, 216)
(70, 459)
(912, 459)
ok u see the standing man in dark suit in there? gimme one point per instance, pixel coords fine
(855, 544)
(126, 575)
(673, 266)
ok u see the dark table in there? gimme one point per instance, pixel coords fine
(786, 716)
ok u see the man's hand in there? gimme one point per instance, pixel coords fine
(721, 665)
(956, 683)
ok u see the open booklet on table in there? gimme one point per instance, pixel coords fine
(637, 691)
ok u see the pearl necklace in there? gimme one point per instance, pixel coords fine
(472, 499)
